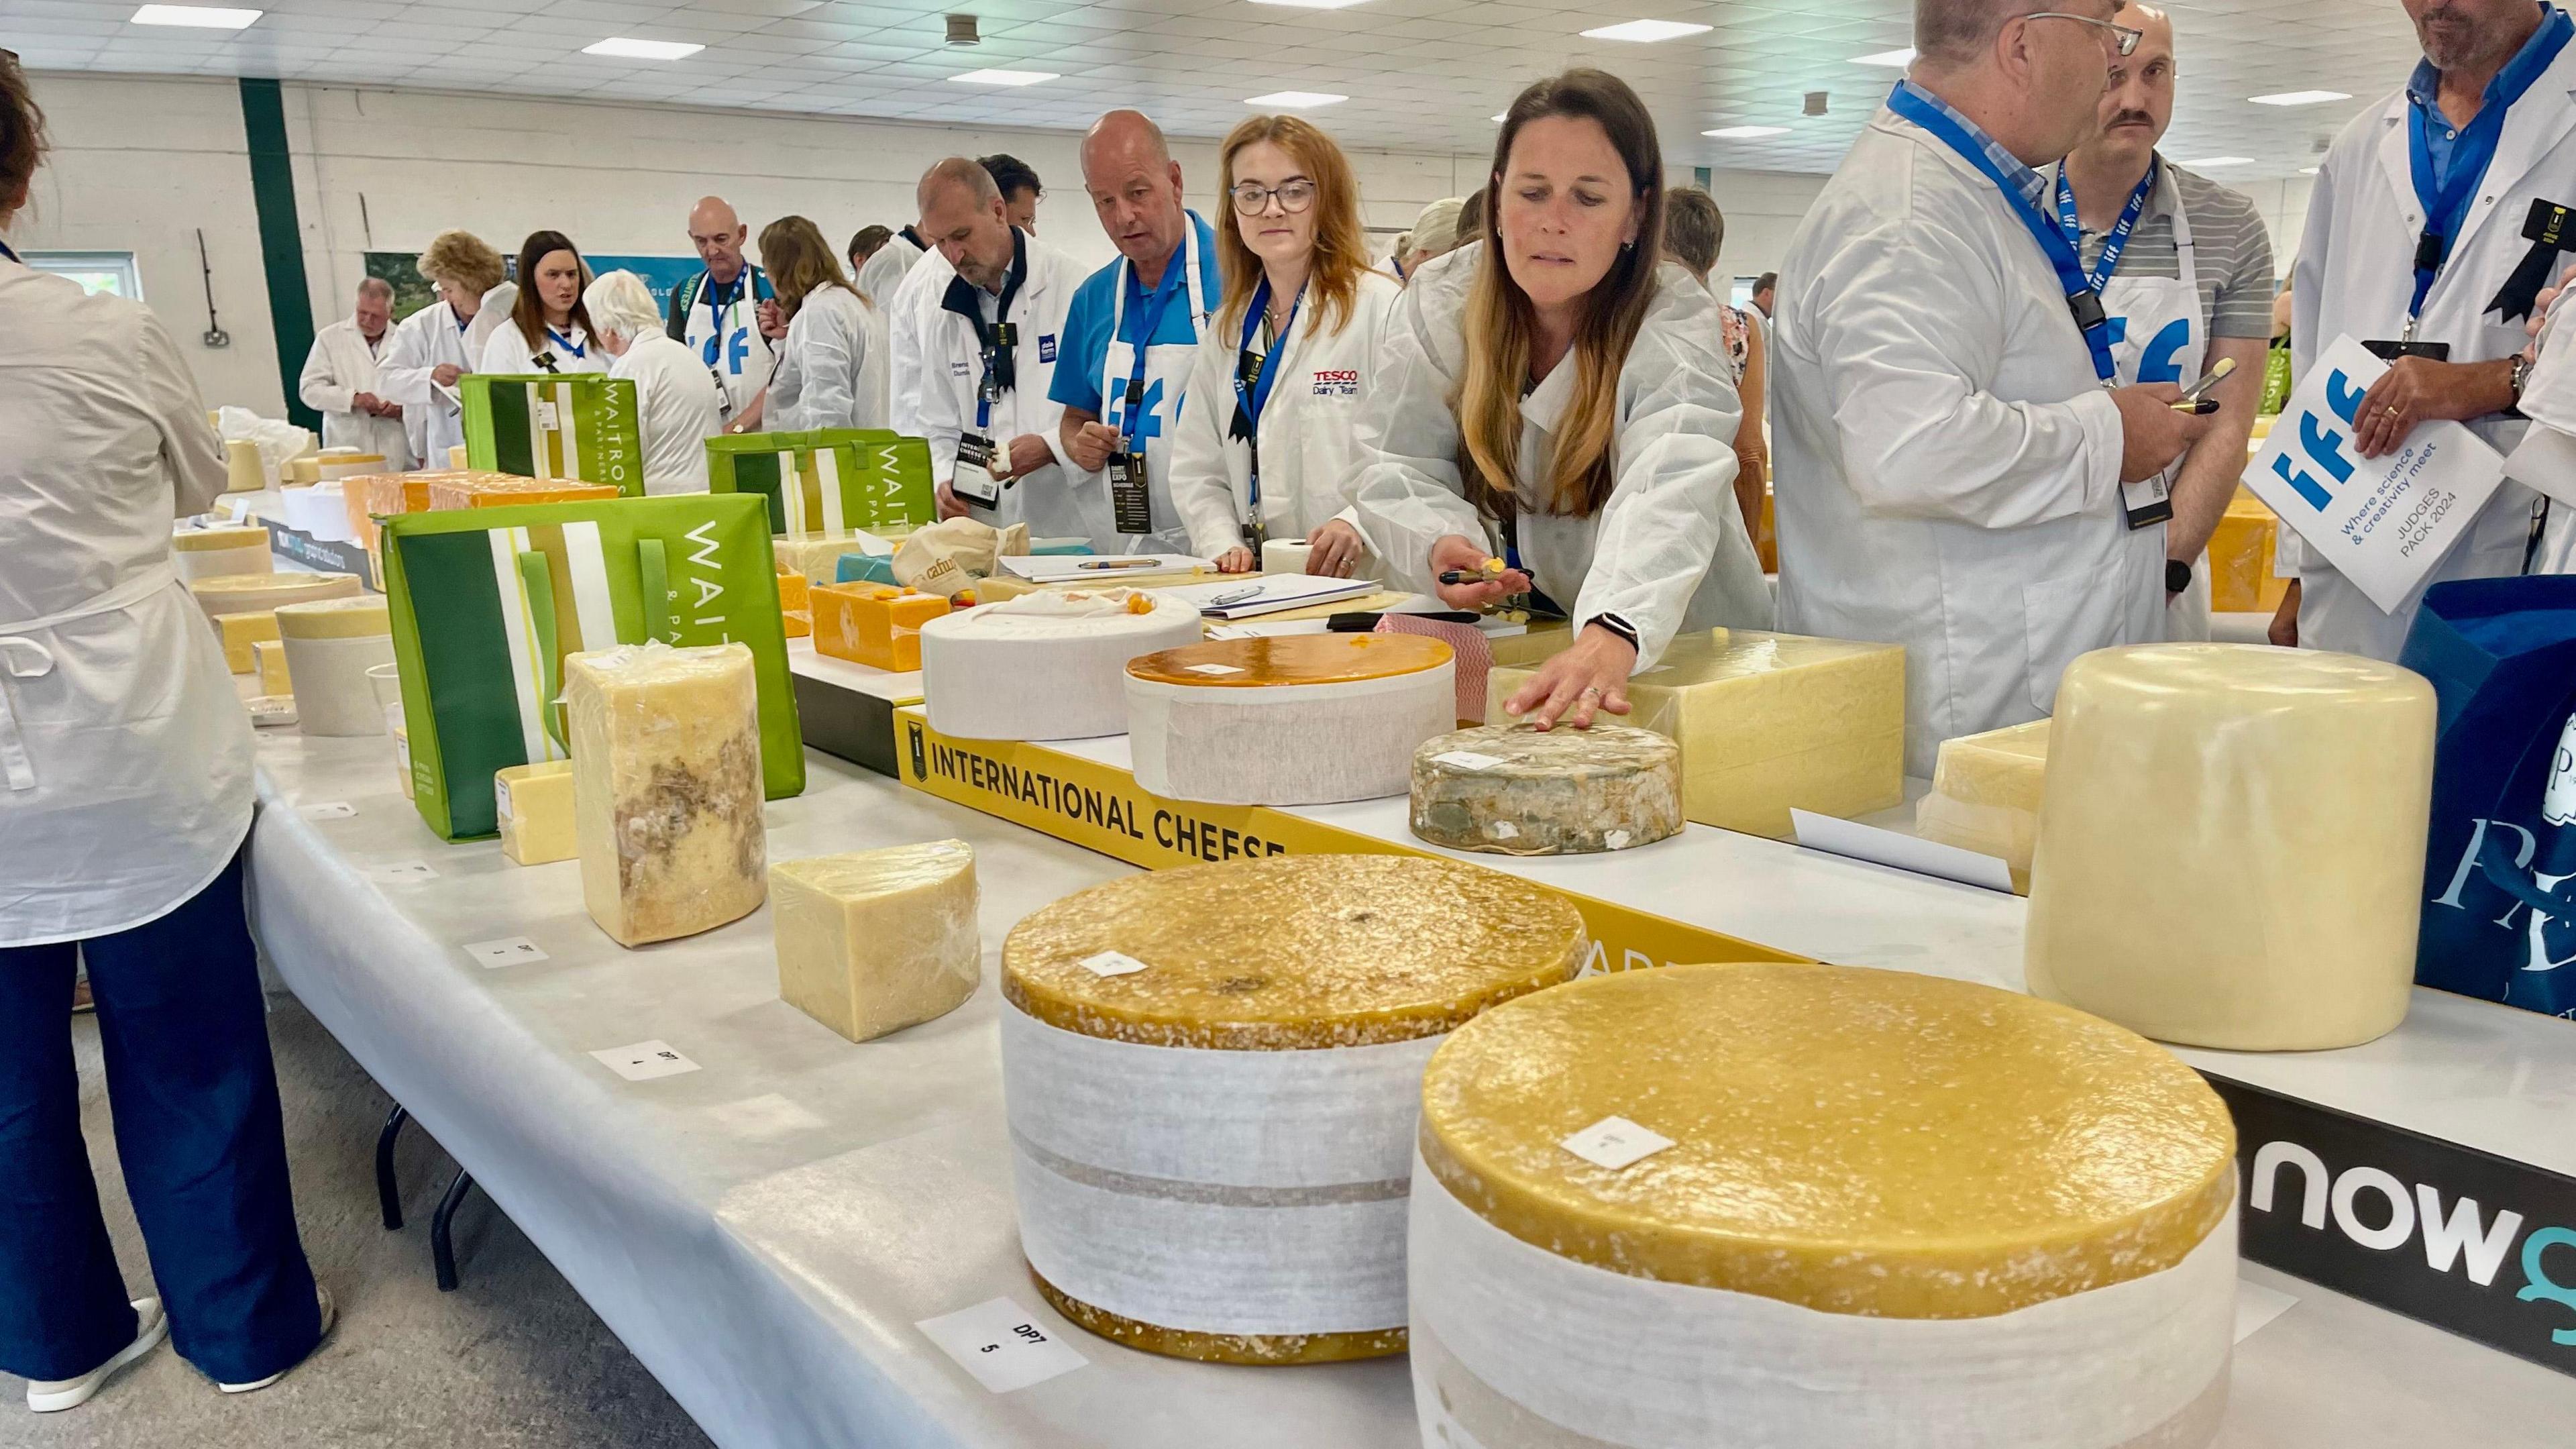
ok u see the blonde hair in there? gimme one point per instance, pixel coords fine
(1341, 246)
(463, 258)
(800, 262)
(1500, 320)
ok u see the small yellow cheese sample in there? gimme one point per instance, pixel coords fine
(877, 940)
(1768, 722)
(240, 632)
(666, 788)
(1985, 795)
(534, 805)
(268, 660)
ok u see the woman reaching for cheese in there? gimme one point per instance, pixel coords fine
(1551, 395)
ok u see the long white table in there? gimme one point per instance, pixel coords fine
(766, 1231)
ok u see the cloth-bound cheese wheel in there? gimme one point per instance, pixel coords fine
(249, 593)
(1782, 1204)
(1212, 1077)
(1045, 666)
(204, 553)
(330, 644)
(1514, 790)
(1302, 719)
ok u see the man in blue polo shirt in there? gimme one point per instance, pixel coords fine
(1130, 336)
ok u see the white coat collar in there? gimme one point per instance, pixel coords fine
(2532, 130)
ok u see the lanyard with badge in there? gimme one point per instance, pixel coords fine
(2146, 503)
(1254, 373)
(720, 310)
(997, 343)
(545, 361)
(2149, 500)
(1130, 505)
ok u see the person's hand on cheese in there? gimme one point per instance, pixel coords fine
(1454, 553)
(1590, 676)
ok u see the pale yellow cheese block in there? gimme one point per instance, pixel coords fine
(877, 940)
(2231, 853)
(248, 593)
(1850, 1140)
(534, 806)
(268, 661)
(1768, 722)
(240, 632)
(666, 788)
(1985, 795)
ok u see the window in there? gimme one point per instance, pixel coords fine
(110, 272)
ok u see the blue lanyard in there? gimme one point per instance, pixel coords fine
(5, 252)
(1176, 278)
(2446, 201)
(2117, 241)
(565, 343)
(717, 303)
(2081, 300)
(1254, 398)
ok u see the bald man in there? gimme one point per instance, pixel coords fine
(1132, 335)
(339, 380)
(717, 311)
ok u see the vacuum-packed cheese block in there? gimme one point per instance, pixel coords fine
(795, 604)
(249, 593)
(1769, 723)
(1296, 719)
(1045, 666)
(666, 788)
(1985, 795)
(1817, 1205)
(268, 661)
(203, 553)
(1212, 1075)
(502, 490)
(330, 644)
(240, 633)
(534, 806)
(2241, 550)
(2232, 847)
(877, 940)
(1514, 790)
(873, 625)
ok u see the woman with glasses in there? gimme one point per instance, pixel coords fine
(1267, 447)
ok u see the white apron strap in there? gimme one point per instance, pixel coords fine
(24, 657)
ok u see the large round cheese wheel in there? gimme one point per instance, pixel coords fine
(1049, 665)
(2231, 848)
(204, 553)
(1514, 790)
(1211, 1076)
(1878, 1193)
(1300, 719)
(330, 645)
(248, 593)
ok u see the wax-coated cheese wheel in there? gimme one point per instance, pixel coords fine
(1299, 719)
(1045, 666)
(1985, 795)
(877, 940)
(2232, 847)
(1514, 790)
(330, 644)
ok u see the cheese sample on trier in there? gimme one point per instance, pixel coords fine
(1767, 723)
(1298, 719)
(1985, 795)
(1211, 1077)
(877, 940)
(2232, 847)
(1817, 1205)
(1514, 790)
(534, 806)
(666, 788)
(1045, 666)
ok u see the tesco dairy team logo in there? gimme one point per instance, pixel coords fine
(1337, 382)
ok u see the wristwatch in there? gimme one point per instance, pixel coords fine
(2177, 575)
(2521, 375)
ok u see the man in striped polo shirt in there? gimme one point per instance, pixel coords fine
(2184, 267)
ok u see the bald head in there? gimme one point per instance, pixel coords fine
(1135, 189)
(718, 234)
(2136, 106)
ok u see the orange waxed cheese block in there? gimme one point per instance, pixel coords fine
(873, 625)
(1292, 659)
(492, 490)
(794, 593)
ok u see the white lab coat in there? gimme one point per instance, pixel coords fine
(433, 419)
(909, 315)
(508, 352)
(1309, 429)
(678, 407)
(1667, 552)
(830, 367)
(885, 269)
(952, 369)
(125, 757)
(1948, 464)
(2354, 276)
(342, 363)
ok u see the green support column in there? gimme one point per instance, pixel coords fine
(281, 239)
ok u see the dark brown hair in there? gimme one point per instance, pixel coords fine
(528, 314)
(22, 127)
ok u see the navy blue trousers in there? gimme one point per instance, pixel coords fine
(194, 1094)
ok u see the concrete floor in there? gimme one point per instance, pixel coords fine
(513, 1358)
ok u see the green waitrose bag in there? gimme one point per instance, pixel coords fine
(487, 602)
(828, 481)
(555, 425)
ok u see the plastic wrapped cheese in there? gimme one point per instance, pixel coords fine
(1211, 1076)
(1985, 795)
(1769, 722)
(872, 624)
(666, 788)
(1817, 1205)
(2240, 558)
(203, 553)
(1045, 666)
(2232, 849)
(250, 593)
(877, 940)
(1297, 719)
(330, 644)
(1513, 790)
(533, 804)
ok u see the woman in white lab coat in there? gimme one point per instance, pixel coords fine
(548, 329)
(679, 404)
(125, 804)
(443, 341)
(831, 366)
(1268, 444)
(1550, 394)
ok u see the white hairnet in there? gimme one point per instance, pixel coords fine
(620, 303)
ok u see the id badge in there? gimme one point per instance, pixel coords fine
(1128, 503)
(2148, 502)
(2391, 351)
(974, 482)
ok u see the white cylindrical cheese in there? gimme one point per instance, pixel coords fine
(1045, 666)
(2231, 848)
(320, 512)
(1514, 790)
(204, 553)
(1299, 719)
(330, 645)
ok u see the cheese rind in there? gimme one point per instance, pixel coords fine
(241, 631)
(666, 788)
(1513, 790)
(877, 940)
(2232, 846)
(1045, 666)
(1301, 719)
(204, 553)
(249, 593)
(535, 809)
(1985, 795)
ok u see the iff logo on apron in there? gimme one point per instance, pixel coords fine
(1143, 396)
(724, 342)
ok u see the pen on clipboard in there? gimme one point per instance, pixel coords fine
(1121, 563)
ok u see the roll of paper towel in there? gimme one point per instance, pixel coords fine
(1284, 555)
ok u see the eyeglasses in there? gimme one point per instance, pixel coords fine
(2126, 38)
(1251, 198)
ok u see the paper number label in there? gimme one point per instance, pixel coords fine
(1111, 963)
(1615, 1142)
(1215, 668)
(1002, 1345)
(645, 1060)
(500, 801)
(1467, 760)
(508, 951)
(401, 871)
(327, 810)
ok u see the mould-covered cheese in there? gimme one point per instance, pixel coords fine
(1514, 790)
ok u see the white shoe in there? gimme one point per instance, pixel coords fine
(54, 1396)
(322, 1296)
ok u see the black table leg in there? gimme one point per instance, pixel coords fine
(442, 1246)
(388, 1192)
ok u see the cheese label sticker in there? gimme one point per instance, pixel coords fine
(645, 1061)
(1216, 669)
(1002, 1344)
(1615, 1142)
(501, 801)
(508, 951)
(1111, 963)
(1467, 760)
(327, 810)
